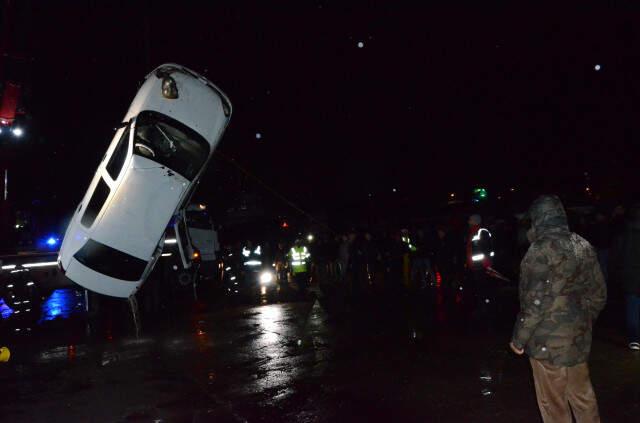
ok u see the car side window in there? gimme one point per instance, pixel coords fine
(98, 198)
(119, 156)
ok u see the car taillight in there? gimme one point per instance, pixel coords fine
(169, 88)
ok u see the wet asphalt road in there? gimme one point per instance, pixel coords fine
(304, 361)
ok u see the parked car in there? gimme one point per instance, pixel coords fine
(147, 176)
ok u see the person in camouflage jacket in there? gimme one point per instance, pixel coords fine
(562, 291)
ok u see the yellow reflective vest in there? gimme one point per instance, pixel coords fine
(298, 257)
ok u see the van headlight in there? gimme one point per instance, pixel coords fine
(266, 277)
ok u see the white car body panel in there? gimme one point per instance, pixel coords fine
(146, 194)
(146, 200)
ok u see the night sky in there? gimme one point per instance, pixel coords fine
(430, 102)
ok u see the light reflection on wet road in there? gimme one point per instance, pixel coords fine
(290, 362)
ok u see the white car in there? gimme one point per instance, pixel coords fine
(147, 176)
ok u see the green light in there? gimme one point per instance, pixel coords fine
(480, 193)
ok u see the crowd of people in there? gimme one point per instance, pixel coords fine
(563, 273)
(443, 254)
(468, 257)
(565, 265)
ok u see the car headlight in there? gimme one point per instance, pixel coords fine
(266, 277)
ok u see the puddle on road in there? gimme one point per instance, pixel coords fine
(62, 304)
(281, 354)
(24, 308)
(28, 300)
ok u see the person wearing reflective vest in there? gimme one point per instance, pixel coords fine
(480, 256)
(406, 257)
(251, 256)
(298, 256)
(407, 241)
(480, 252)
(298, 260)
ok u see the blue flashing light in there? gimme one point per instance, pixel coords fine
(49, 242)
(5, 310)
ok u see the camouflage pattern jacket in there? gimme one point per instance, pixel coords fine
(562, 289)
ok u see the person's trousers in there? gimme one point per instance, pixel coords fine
(561, 390)
(420, 268)
(302, 280)
(633, 317)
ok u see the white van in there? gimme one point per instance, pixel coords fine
(202, 233)
(147, 176)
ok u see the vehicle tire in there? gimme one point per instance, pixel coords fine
(185, 278)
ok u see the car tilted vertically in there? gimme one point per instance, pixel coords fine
(146, 177)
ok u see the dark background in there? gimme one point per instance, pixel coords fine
(436, 101)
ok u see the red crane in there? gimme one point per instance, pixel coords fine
(10, 74)
(13, 66)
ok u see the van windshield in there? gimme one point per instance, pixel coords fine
(170, 143)
(199, 220)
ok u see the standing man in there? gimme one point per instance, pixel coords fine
(562, 291)
(251, 256)
(629, 257)
(344, 248)
(421, 265)
(280, 259)
(480, 258)
(445, 261)
(299, 263)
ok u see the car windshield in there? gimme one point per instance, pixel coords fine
(168, 142)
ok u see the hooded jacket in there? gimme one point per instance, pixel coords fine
(562, 289)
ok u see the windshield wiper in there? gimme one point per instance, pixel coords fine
(171, 143)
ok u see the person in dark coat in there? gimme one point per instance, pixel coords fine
(562, 292)
(446, 260)
(600, 237)
(629, 259)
